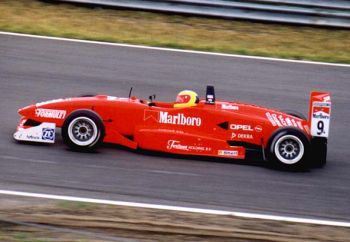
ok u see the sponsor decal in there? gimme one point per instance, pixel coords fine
(210, 96)
(327, 98)
(243, 127)
(48, 134)
(50, 113)
(179, 119)
(321, 110)
(48, 102)
(229, 106)
(245, 136)
(300, 126)
(199, 148)
(150, 114)
(18, 135)
(274, 116)
(242, 136)
(111, 98)
(258, 128)
(280, 121)
(230, 153)
(171, 131)
(166, 118)
(176, 145)
(269, 117)
(321, 114)
(32, 137)
(289, 122)
(307, 129)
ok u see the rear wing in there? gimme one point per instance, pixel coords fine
(320, 113)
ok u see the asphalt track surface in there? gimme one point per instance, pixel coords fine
(33, 70)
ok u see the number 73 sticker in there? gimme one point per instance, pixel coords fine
(321, 114)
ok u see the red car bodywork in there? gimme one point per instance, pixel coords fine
(222, 129)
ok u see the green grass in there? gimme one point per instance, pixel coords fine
(76, 205)
(25, 237)
(154, 29)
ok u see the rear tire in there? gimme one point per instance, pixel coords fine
(319, 152)
(288, 149)
(83, 130)
(88, 95)
(295, 114)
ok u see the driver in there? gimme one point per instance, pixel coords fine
(186, 98)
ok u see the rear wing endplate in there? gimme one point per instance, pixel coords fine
(320, 113)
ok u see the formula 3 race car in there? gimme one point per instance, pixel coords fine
(207, 128)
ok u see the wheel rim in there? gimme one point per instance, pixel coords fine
(289, 149)
(82, 131)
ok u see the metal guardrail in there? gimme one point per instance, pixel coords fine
(330, 13)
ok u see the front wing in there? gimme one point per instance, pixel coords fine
(43, 133)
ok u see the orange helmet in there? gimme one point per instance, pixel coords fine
(186, 98)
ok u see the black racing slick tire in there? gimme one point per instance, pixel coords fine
(87, 95)
(83, 130)
(289, 149)
(295, 114)
(318, 152)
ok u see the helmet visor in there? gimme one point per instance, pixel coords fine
(183, 98)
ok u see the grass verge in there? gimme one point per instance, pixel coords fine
(184, 32)
(30, 219)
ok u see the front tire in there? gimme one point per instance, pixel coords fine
(83, 130)
(289, 148)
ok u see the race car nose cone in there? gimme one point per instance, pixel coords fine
(26, 110)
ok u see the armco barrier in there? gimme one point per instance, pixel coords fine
(331, 13)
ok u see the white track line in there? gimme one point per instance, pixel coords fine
(27, 159)
(181, 209)
(176, 50)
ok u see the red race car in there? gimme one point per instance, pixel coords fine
(189, 126)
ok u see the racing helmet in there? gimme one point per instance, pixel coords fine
(186, 98)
